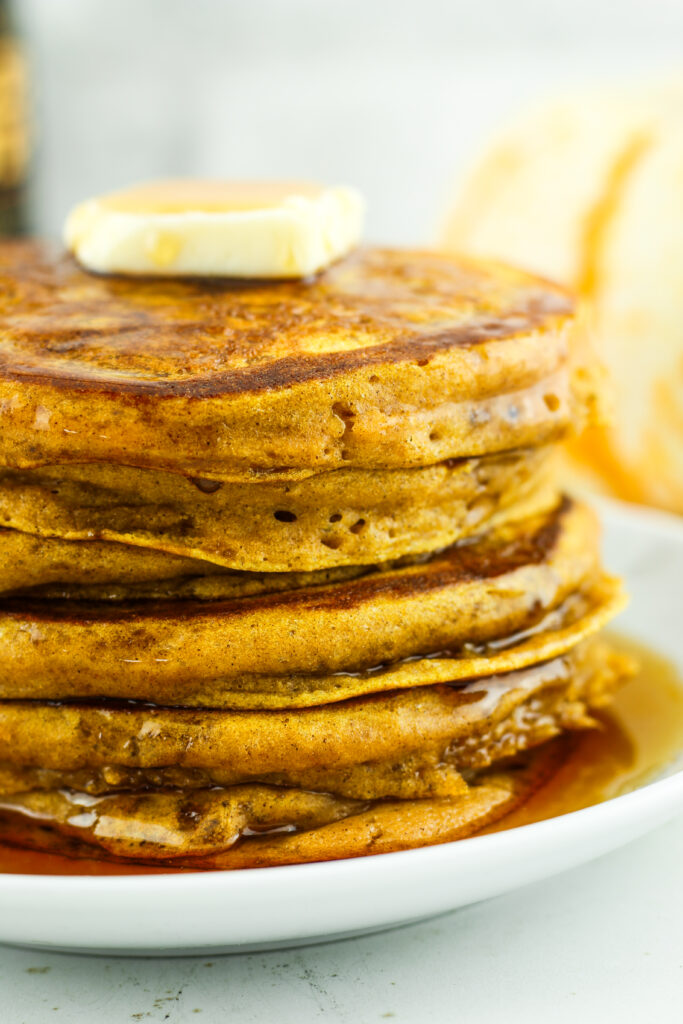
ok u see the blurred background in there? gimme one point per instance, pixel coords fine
(423, 106)
(394, 97)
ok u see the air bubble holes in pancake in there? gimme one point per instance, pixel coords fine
(347, 416)
(285, 516)
(333, 543)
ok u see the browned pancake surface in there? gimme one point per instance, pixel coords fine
(388, 358)
(205, 337)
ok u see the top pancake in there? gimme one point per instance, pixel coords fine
(389, 358)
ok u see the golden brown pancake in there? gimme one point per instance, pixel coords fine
(257, 826)
(388, 827)
(294, 774)
(413, 776)
(416, 624)
(285, 574)
(52, 569)
(58, 568)
(135, 809)
(389, 358)
(578, 617)
(472, 724)
(348, 517)
(510, 713)
(215, 818)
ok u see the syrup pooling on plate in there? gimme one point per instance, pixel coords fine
(640, 736)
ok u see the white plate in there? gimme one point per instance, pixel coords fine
(222, 911)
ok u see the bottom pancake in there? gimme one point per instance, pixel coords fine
(259, 826)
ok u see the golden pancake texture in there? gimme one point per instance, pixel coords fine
(390, 358)
(526, 592)
(207, 829)
(54, 569)
(246, 745)
(470, 728)
(112, 571)
(348, 517)
(410, 776)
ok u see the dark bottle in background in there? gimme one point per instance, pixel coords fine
(14, 126)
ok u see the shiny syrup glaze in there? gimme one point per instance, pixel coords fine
(641, 734)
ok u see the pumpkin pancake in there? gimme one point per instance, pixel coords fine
(258, 826)
(470, 728)
(201, 581)
(53, 567)
(389, 358)
(418, 623)
(348, 517)
(408, 777)
(469, 724)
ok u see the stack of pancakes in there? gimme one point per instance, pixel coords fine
(285, 572)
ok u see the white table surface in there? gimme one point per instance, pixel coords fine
(598, 944)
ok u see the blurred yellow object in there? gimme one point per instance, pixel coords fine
(15, 141)
(589, 190)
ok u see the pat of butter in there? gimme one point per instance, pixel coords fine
(227, 229)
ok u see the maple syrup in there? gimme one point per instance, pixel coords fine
(640, 735)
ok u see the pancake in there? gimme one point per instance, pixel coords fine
(511, 713)
(389, 827)
(52, 569)
(420, 775)
(484, 719)
(254, 826)
(126, 824)
(388, 359)
(325, 643)
(348, 517)
(578, 617)
(285, 573)
(466, 729)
